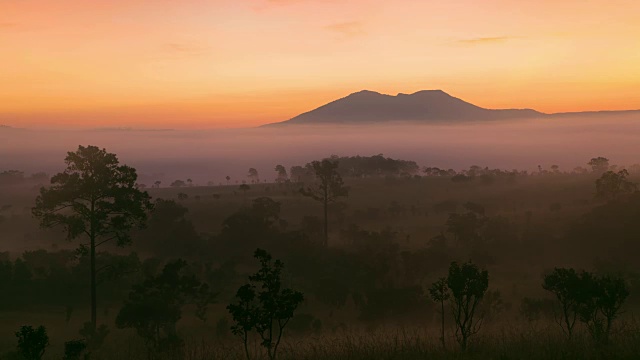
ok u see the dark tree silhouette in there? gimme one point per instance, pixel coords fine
(599, 302)
(565, 285)
(95, 196)
(467, 285)
(611, 185)
(157, 183)
(253, 176)
(228, 178)
(32, 343)
(599, 164)
(74, 349)
(178, 183)
(328, 188)
(264, 305)
(244, 188)
(282, 174)
(155, 306)
(439, 292)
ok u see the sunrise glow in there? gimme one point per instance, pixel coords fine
(240, 63)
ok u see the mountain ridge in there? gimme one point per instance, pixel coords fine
(424, 106)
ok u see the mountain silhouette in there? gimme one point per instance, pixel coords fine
(423, 106)
(426, 106)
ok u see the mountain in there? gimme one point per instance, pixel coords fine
(423, 106)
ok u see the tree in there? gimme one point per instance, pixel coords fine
(95, 197)
(611, 185)
(182, 196)
(565, 285)
(328, 188)
(157, 183)
(264, 305)
(73, 350)
(599, 164)
(32, 342)
(228, 178)
(178, 183)
(440, 293)
(155, 306)
(467, 285)
(190, 182)
(282, 174)
(599, 302)
(244, 188)
(253, 176)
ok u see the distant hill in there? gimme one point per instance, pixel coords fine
(427, 106)
(423, 106)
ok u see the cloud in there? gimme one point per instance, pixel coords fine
(183, 50)
(7, 25)
(347, 29)
(486, 40)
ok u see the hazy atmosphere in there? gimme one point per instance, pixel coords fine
(211, 155)
(319, 180)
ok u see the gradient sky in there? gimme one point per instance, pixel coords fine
(238, 63)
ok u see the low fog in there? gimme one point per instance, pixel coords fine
(210, 155)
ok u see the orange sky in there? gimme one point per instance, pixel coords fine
(237, 63)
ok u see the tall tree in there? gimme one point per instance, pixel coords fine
(253, 176)
(328, 188)
(599, 164)
(611, 185)
(467, 285)
(439, 292)
(97, 198)
(264, 305)
(282, 174)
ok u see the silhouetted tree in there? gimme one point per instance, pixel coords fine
(467, 285)
(155, 306)
(32, 343)
(178, 183)
(282, 174)
(599, 302)
(328, 188)
(97, 197)
(439, 292)
(244, 188)
(264, 305)
(228, 178)
(157, 183)
(611, 185)
(253, 175)
(74, 349)
(599, 164)
(565, 285)
(182, 196)
(190, 182)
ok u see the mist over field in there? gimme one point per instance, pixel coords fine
(210, 155)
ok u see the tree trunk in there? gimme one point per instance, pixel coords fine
(326, 223)
(94, 317)
(94, 297)
(442, 328)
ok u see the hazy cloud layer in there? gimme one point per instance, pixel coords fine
(486, 40)
(347, 29)
(214, 154)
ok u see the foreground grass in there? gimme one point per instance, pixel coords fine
(504, 344)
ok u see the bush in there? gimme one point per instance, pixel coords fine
(32, 342)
